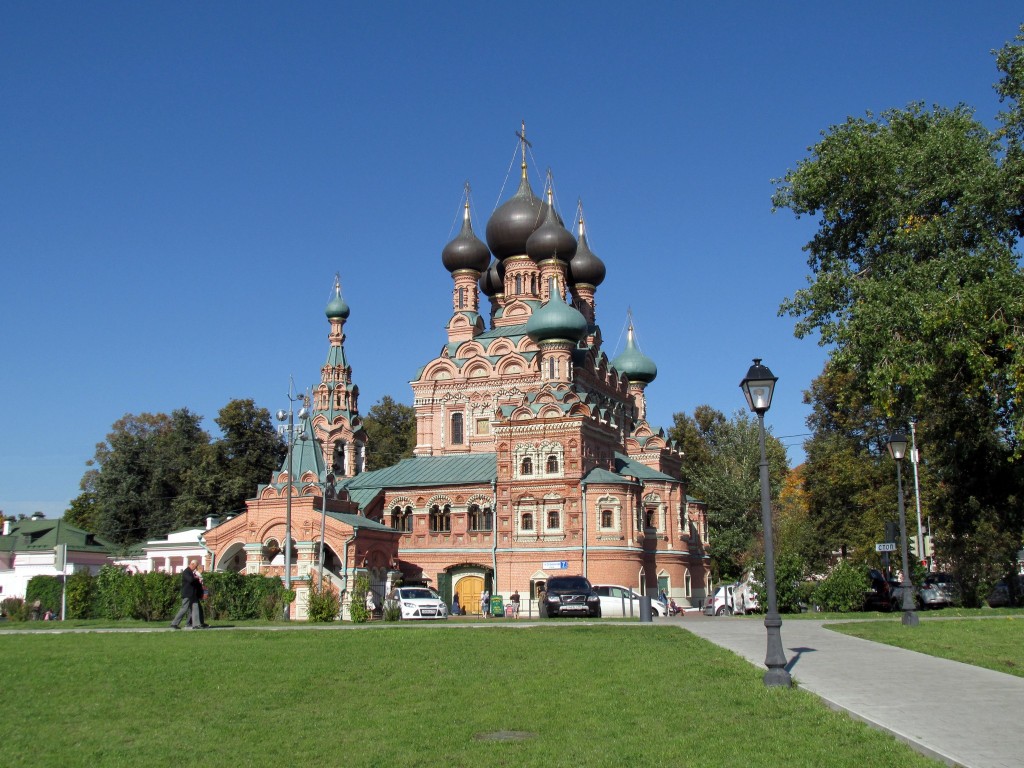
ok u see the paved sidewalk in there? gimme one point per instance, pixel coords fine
(962, 715)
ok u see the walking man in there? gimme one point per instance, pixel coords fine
(190, 584)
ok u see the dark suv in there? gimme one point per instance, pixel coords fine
(570, 596)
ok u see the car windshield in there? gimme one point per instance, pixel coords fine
(417, 594)
(569, 584)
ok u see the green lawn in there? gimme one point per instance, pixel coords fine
(412, 696)
(994, 643)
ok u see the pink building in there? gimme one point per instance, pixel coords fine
(533, 454)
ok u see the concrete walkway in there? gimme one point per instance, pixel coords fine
(962, 715)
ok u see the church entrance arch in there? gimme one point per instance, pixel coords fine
(233, 560)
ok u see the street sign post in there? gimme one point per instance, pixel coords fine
(886, 546)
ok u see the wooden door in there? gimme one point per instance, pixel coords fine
(469, 589)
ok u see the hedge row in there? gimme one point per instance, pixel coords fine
(115, 593)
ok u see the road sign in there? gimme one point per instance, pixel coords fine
(555, 565)
(886, 546)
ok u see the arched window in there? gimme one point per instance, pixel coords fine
(687, 585)
(396, 518)
(553, 519)
(339, 459)
(435, 519)
(407, 520)
(457, 432)
(271, 549)
(552, 464)
(446, 519)
(488, 519)
(526, 468)
(462, 298)
(607, 518)
(651, 517)
(474, 517)
(519, 284)
(552, 368)
(527, 521)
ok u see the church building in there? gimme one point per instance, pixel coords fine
(533, 456)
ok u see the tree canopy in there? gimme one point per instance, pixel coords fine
(157, 473)
(722, 469)
(917, 289)
(391, 431)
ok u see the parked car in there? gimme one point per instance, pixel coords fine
(938, 590)
(617, 600)
(570, 596)
(738, 598)
(420, 603)
(896, 595)
(878, 596)
(999, 597)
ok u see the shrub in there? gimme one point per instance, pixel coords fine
(14, 608)
(117, 594)
(158, 596)
(392, 610)
(843, 589)
(243, 596)
(321, 603)
(47, 590)
(80, 596)
(357, 607)
(789, 575)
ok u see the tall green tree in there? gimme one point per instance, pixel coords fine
(391, 431)
(723, 470)
(250, 450)
(917, 289)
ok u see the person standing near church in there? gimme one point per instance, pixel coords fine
(485, 603)
(189, 597)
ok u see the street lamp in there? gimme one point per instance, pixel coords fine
(758, 386)
(898, 449)
(290, 417)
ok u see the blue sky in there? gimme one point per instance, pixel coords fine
(179, 183)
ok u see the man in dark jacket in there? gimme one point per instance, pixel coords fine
(191, 594)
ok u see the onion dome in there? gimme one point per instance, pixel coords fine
(466, 251)
(551, 240)
(491, 281)
(514, 221)
(337, 307)
(556, 321)
(633, 363)
(585, 267)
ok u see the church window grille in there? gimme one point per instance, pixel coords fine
(527, 521)
(526, 467)
(457, 432)
(462, 298)
(519, 284)
(607, 518)
(552, 464)
(554, 520)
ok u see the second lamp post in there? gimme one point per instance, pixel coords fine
(898, 449)
(758, 386)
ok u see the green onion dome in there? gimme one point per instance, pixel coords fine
(633, 363)
(337, 307)
(556, 321)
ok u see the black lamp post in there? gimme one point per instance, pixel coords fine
(898, 449)
(758, 386)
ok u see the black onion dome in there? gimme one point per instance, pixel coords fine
(515, 220)
(491, 281)
(585, 267)
(466, 251)
(551, 240)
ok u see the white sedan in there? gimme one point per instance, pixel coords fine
(617, 600)
(420, 603)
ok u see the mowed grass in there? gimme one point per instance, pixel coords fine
(993, 643)
(412, 696)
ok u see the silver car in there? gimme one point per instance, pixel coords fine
(617, 600)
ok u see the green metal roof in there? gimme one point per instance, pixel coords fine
(419, 471)
(626, 466)
(358, 521)
(46, 534)
(598, 475)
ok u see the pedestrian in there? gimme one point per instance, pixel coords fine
(514, 599)
(663, 597)
(189, 597)
(541, 599)
(203, 593)
(485, 602)
(371, 602)
(455, 605)
(37, 610)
